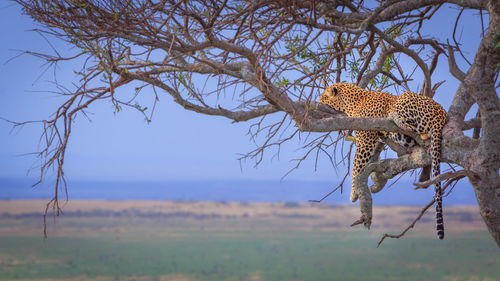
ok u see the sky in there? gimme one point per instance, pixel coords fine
(176, 145)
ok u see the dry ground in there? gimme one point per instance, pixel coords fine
(210, 215)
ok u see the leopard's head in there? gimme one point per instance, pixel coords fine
(339, 95)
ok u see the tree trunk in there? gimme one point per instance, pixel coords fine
(485, 164)
(486, 184)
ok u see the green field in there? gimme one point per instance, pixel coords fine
(139, 248)
(258, 255)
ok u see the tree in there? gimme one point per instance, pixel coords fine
(274, 57)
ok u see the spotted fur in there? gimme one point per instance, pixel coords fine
(410, 111)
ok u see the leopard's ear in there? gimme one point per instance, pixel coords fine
(332, 91)
(328, 93)
(335, 91)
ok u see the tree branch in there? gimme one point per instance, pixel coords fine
(412, 225)
(454, 70)
(442, 177)
(422, 212)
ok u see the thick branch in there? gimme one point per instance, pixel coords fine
(398, 9)
(343, 122)
(472, 123)
(389, 168)
(236, 116)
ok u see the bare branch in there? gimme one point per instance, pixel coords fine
(454, 70)
(442, 177)
(414, 222)
(412, 225)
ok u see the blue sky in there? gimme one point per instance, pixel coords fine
(178, 144)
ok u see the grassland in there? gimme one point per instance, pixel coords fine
(183, 241)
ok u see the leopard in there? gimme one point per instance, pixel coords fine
(410, 111)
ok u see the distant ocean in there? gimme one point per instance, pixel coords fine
(400, 193)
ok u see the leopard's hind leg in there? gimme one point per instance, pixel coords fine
(403, 140)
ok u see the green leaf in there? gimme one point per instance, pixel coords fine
(117, 108)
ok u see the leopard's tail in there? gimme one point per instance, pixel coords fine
(436, 139)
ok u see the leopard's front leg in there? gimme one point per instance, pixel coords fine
(366, 147)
